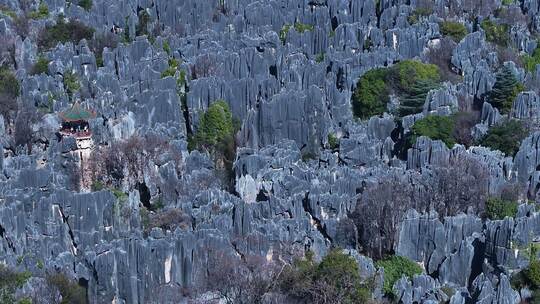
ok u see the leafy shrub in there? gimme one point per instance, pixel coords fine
(216, 125)
(533, 273)
(415, 16)
(455, 30)
(336, 277)
(411, 79)
(396, 267)
(319, 58)
(413, 99)
(142, 26)
(41, 66)
(97, 186)
(86, 4)
(284, 32)
(171, 70)
(530, 62)
(302, 27)
(11, 280)
(496, 33)
(408, 72)
(505, 137)
(167, 48)
(9, 85)
(63, 32)
(505, 90)
(71, 292)
(434, 127)
(371, 94)
(498, 209)
(119, 194)
(5, 10)
(41, 13)
(333, 141)
(71, 83)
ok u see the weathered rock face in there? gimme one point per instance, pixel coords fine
(287, 70)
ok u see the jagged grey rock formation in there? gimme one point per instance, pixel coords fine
(287, 70)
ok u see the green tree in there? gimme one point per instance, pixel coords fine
(41, 13)
(11, 280)
(531, 61)
(41, 66)
(413, 99)
(86, 4)
(215, 126)
(498, 209)
(71, 83)
(505, 137)
(63, 32)
(434, 127)
(371, 94)
(533, 273)
(71, 292)
(9, 85)
(408, 72)
(455, 30)
(336, 277)
(396, 267)
(496, 33)
(505, 90)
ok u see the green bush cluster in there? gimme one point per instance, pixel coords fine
(530, 62)
(167, 47)
(410, 79)
(302, 27)
(410, 72)
(337, 272)
(333, 141)
(415, 16)
(371, 94)
(71, 83)
(10, 281)
(498, 209)
(71, 292)
(142, 26)
(284, 32)
(63, 32)
(453, 29)
(496, 33)
(533, 273)
(174, 66)
(396, 267)
(86, 4)
(434, 127)
(171, 70)
(7, 11)
(319, 58)
(9, 85)
(505, 137)
(215, 127)
(299, 27)
(505, 90)
(41, 66)
(41, 13)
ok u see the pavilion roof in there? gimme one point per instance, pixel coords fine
(77, 113)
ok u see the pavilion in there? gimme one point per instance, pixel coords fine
(75, 121)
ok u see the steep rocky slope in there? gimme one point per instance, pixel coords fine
(141, 216)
